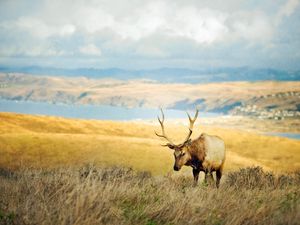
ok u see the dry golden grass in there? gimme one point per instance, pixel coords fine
(47, 142)
(91, 195)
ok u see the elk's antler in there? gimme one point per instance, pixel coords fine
(163, 135)
(192, 121)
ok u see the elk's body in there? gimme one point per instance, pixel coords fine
(206, 153)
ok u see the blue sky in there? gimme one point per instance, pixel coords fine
(137, 34)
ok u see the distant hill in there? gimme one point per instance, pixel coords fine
(170, 75)
(267, 99)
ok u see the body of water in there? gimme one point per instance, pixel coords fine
(287, 135)
(103, 112)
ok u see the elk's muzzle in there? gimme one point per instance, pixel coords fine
(176, 168)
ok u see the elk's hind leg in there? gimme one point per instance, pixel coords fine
(208, 179)
(218, 175)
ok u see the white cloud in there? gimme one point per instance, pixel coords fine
(288, 8)
(90, 49)
(142, 22)
(199, 24)
(254, 26)
(92, 20)
(204, 26)
(38, 28)
(67, 30)
(163, 29)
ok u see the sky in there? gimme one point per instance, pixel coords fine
(140, 34)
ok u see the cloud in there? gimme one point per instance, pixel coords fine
(151, 51)
(252, 26)
(145, 30)
(90, 49)
(288, 8)
(201, 25)
(67, 30)
(38, 28)
(204, 26)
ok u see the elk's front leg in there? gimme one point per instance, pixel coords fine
(205, 177)
(196, 176)
(218, 175)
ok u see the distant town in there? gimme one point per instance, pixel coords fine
(269, 112)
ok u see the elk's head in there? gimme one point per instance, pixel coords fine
(181, 153)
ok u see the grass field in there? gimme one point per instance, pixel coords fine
(91, 195)
(67, 171)
(48, 142)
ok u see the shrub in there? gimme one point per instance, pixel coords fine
(256, 178)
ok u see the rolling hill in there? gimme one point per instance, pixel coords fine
(47, 142)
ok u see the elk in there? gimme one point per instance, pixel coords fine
(205, 153)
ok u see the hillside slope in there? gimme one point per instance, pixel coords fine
(270, 98)
(42, 141)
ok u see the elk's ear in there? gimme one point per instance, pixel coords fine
(169, 145)
(188, 141)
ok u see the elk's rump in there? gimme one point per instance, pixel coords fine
(214, 152)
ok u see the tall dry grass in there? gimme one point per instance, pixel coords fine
(92, 195)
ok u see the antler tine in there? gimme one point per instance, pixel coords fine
(192, 121)
(163, 135)
(163, 115)
(162, 119)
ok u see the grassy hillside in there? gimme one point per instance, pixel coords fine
(43, 141)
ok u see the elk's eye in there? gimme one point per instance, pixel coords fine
(183, 153)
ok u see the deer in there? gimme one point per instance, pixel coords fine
(205, 153)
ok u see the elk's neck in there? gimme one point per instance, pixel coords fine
(197, 152)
